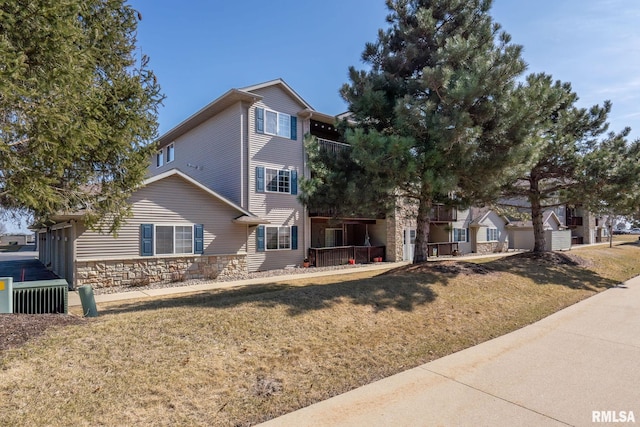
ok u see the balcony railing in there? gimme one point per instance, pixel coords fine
(332, 146)
(442, 213)
(324, 257)
(574, 221)
(442, 249)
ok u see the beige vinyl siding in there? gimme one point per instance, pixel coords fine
(522, 238)
(278, 153)
(558, 240)
(463, 221)
(169, 201)
(492, 221)
(212, 153)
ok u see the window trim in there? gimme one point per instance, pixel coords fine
(278, 227)
(465, 235)
(173, 225)
(261, 238)
(171, 153)
(492, 230)
(278, 130)
(261, 180)
(277, 172)
(160, 158)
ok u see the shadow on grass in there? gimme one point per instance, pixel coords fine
(402, 288)
(402, 292)
(553, 268)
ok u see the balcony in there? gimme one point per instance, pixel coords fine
(323, 257)
(332, 146)
(442, 213)
(574, 221)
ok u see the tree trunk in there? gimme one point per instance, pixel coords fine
(609, 225)
(539, 244)
(421, 250)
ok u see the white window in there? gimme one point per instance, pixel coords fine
(174, 239)
(278, 180)
(492, 234)
(459, 234)
(159, 159)
(277, 124)
(170, 153)
(278, 238)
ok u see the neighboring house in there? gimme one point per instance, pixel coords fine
(451, 232)
(557, 237)
(586, 227)
(16, 239)
(489, 233)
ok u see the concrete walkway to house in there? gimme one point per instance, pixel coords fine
(578, 366)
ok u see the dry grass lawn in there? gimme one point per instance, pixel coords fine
(241, 356)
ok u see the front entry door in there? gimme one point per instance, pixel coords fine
(409, 244)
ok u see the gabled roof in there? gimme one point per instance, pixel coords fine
(226, 100)
(546, 217)
(216, 106)
(481, 214)
(245, 217)
(284, 86)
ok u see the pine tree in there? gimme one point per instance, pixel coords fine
(611, 184)
(561, 137)
(78, 108)
(435, 100)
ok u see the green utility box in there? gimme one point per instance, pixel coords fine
(6, 295)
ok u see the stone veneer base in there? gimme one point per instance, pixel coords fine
(485, 248)
(143, 271)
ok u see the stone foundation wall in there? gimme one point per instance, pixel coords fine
(107, 273)
(485, 248)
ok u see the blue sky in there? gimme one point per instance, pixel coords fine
(199, 49)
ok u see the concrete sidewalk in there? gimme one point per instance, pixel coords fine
(555, 372)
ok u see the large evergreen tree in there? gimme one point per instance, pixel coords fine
(566, 141)
(433, 111)
(78, 108)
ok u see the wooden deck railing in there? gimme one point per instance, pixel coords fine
(575, 221)
(441, 249)
(324, 257)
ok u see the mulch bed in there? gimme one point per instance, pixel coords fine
(444, 267)
(17, 329)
